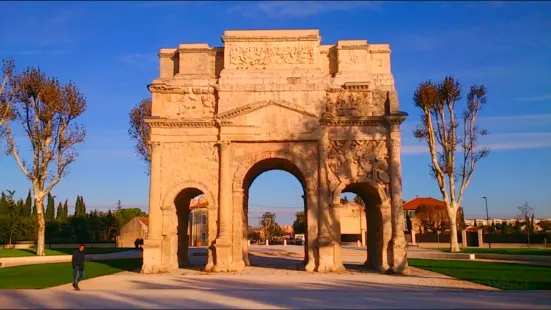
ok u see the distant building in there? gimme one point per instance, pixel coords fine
(353, 223)
(197, 227)
(136, 228)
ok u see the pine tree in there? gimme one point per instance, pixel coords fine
(66, 209)
(60, 213)
(27, 209)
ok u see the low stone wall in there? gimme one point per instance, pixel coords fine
(22, 246)
(30, 260)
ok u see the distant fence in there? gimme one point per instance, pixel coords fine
(472, 238)
(430, 237)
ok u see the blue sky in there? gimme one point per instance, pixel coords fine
(110, 51)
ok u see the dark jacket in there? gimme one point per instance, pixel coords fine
(78, 259)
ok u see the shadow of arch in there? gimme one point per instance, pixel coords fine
(378, 217)
(177, 201)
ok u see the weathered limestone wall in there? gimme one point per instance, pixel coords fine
(272, 96)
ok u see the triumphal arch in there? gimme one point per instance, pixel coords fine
(221, 116)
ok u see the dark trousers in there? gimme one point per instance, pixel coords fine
(78, 274)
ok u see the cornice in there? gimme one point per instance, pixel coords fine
(396, 119)
(158, 122)
(365, 121)
(180, 89)
(249, 39)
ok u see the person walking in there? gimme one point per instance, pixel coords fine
(78, 266)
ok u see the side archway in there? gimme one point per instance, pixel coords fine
(378, 214)
(176, 209)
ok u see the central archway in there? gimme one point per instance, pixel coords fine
(294, 165)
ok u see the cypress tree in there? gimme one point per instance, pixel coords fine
(78, 208)
(60, 213)
(50, 208)
(66, 209)
(27, 209)
(3, 205)
(82, 206)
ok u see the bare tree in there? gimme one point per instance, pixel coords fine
(46, 110)
(527, 213)
(8, 69)
(438, 128)
(139, 130)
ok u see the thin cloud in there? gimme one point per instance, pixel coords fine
(517, 117)
(497, 142)
(300, 9)
(536, 98)
(141, 60)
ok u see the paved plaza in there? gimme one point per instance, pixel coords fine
(275, 283)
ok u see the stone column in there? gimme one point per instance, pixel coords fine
(399, 250)
(244, 209)
(413, 241)
(312, 229)
(223, 242)
(170, 243)
(480, 238)
(152, 258)
(464, 238)
(336, 228)
(325, 241)
(240, 228)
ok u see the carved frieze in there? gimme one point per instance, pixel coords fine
(358, 159)
(255, 56)
(352, 104)
(192, 105)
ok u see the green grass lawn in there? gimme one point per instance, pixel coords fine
(512, 251)
(505, 276)
(32, 252)
(49, 275)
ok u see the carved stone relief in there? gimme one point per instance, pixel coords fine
(195, 160)
(192, 105)
(357, 159)
(253, 56)
(352, 103)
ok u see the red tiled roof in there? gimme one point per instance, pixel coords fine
(144, 219)
(417, 202)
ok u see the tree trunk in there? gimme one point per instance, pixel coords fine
(40, 242)
(454, 243)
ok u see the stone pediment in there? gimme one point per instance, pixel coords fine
(249, 108)
(272, 118)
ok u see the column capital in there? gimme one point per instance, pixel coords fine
(239, 192)
(168, 209)
(223, 144)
